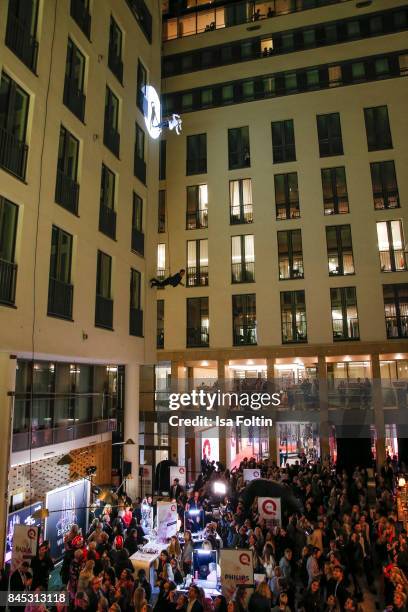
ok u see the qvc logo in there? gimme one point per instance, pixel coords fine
(245, 559)
(32, 534)
(182, 470)
(173, 508)
(269, 507)
(256, 474)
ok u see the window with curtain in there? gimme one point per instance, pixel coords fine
(161, 260)
(241, 210)
(242, 259)
(396, 310)
(287, 196)
(293, 317)
(244, 319)
(339, 250)
(391, 246)
(197, 207)
(384, 184)
(344, 313)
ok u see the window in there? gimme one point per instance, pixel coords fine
(238, 148)
(22, 30)
(197, 263)
(244, 319)
(141, 84)
(60, 290)
(290, 254)
(283, 141)
(335, 196)
(13, 125)
(339, 250)
(396, 310)
(111, 136)
(241, 202)
(162, 160)
(136, 312)
(391, 246)
(242, 259)
(161, 213)
(287, 196)
(377, 128)
(115, 50)
(384, 182)
(344, 313)
(8, 267)
(335, 76)
(206, 98)
(107, 213)
(160, 324)
(80, 14)
(140, 164)
(137, 225)
(74, 97)
(329, 133)
(161, 261)
(197, 322)
(197, 207)
(293, 316)
(104, 302)
(196, 154)
(67, 188)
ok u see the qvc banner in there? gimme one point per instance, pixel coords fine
(25, 539)
(251, 475)
(236, 568)
(178, 472)
(269, 508)
(166, 520)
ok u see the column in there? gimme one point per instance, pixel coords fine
(377, 403)
(7, 389)
(221, 411)
(177, 385)
(271, 412)
(323, 407)
(131, 426)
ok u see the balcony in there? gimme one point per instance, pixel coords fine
(244, 335)
(386, 199)
(20, 41)
(243, 272)
(74, 98)
(111, 139)
(116, 66)
(197, 336)
(60, 298)
(197, 219)
(67, 192)
(136, 322)
(81, 15)
(197, 277)
(137, 241)
(393, 261)
(241, 214)
(107, 221)
(346, 330)
(8, 276)
(140, 169)
(103, 312)
(294, 332)
(397, 326)
(350, 393)
(13, 154)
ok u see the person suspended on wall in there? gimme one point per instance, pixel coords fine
(173, 280)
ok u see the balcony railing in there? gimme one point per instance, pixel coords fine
(294, 333)
(13, 154)
(287, 271)
(394, 393)
(197, 219)
(287, 210)
(116, 65)
(137, 241)
(67, 192)
(336, 205)
(8, 276)
(393, 261)
(346, 330)
(140, 169)
(81, 15)
(74, 98)
(197, 336)
(241, 214)
(245, 335)
(111, 139)
(60, 298)
(239, 159)
(104, 312)
(197, 277)
(160, 339)
(397, 327)
(107, 221)
(136, 322)
(21, 42)
(243, 272)
(386, 199)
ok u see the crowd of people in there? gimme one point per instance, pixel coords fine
(345, 550)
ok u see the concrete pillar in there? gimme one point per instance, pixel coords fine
(271, 412)
(178, 385)
(181, 446)
(131, 425)
(7, 389)
(377, 403)
(323, 407)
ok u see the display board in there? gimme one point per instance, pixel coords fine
(20, 517)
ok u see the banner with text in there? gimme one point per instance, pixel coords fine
(251, 475)
(25, 539)
(178, 472)
(269, 508)
(166, 520)
(236, 568)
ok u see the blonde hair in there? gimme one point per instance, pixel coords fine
(264, 590)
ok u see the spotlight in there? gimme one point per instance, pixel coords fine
(220, 488)
(194, 512)
(401, 481)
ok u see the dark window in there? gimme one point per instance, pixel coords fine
(141, 85)
(160, 324)
(8, 267)
(290, 254)
(107, 213)
(197, 263)
(21, 30)
(197, 154)
(136, 312)
(143, 17)
(287, 196)
(244, 319)
(137, 225)
(197, 207)
(115, 50)
(60, 290)
(344, 313)
(239, 155)
(391, 245)
(111, 136)
(14, 103)
(396, 310)
(283, 141)
(162, 160)
(335, 196)
(329, 133)
(161, 213)
(104, 302)
(384, 182)
(140, 164)
(377, 128)
(67, 188)
(80, 14)
(197, 322)
(74, 97)
(241, 202)
(242, 259)
(293, 316)
(339, 250)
